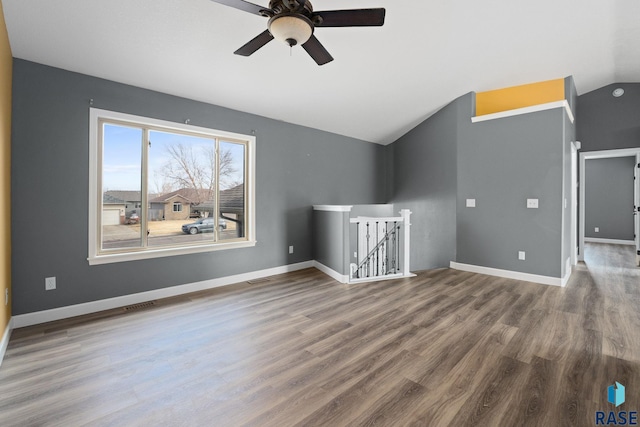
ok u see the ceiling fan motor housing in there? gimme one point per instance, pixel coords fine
(282, 6)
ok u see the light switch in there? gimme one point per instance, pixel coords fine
(521, 255)
(471, 203)
(532, 203)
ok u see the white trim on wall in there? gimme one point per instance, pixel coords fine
(526, 110)
(5, 340)
(37, 317)
(609, 241)
(588, 155)
(331, 272)
(515, 275)
(333, 208)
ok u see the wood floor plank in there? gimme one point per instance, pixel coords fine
(443, 348)
(463, 380)
(494, 394)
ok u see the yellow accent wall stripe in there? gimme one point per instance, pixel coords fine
(512, 98)
(6, 72)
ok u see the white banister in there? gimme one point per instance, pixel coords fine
(406, 213)
(382, 247)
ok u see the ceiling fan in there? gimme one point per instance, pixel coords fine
(294, 21)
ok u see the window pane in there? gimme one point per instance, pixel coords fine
(121, 186)
(232, 190)
(181, 180)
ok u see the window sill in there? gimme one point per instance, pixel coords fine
(165, 252)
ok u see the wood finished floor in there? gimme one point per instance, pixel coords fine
(444, 348)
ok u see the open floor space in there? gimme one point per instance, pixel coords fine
(443, 348)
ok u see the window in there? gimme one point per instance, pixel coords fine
(182, 189)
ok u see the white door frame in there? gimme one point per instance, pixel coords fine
(604, 154)
(574, 203)
(636, 207)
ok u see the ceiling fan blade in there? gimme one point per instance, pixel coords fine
(315, 49)
(255, 44)
(351, 18)
(244, 5)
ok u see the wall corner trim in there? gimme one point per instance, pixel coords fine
(526, 110)
(331, 272)
(515, 275)
(333, 208)
(5, 340)
(29, 319)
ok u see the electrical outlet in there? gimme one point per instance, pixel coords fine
(521, 255)
(471, 203)
(532, 203)
(290, 249)
(49, 283)
(597, 229)
(355, 254)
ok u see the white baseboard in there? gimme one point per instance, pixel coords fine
(516, 275)
(567, 274)
(5, 340)
(44, 316)
(331, 272)
(609, 241)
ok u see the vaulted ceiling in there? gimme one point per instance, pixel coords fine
(383, 81)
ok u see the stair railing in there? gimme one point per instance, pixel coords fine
(382, 247)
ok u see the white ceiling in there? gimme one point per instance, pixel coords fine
(384, 80)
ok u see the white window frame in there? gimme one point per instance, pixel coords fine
(177, 207)
(95, 256)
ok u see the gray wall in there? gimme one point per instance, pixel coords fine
(607, 123)
(424, 181)
(296, 168)
(330, 239)
(501, 163)
(609, 198)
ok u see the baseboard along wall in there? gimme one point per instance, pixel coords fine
(38, 317)
(5, 340)
(516, 275)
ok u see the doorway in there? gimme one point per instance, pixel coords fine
(634, 155)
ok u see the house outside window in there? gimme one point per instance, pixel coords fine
(181, 174)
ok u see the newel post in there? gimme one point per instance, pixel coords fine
(406, 255)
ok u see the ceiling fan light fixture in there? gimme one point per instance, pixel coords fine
(291, 29)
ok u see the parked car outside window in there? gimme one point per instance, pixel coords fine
(204, 225)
